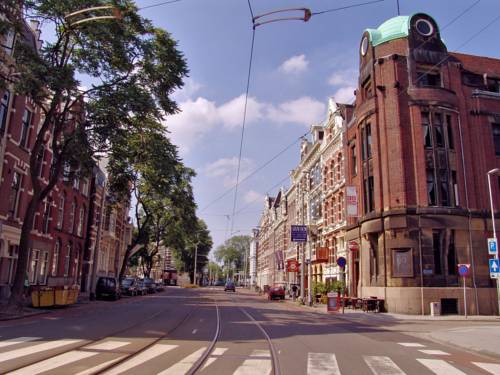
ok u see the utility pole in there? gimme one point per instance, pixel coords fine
(195, 261)
(302, 246)
(494, 172)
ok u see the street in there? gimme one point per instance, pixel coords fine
(208, 331)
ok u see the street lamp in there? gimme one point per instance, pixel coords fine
(494, 172)
(115, 14)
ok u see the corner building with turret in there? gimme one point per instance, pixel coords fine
(425, 133)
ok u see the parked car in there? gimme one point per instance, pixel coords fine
(229, 286)
(107, 287)
(141, 288)
(276, 291)
(150, 285)
(219, 283)
(129, 286)
(159, 286)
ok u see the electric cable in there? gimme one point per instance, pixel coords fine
(159, 4)
(346, 7)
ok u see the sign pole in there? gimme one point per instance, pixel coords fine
(465, 299)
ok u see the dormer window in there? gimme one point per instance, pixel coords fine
(320, 135)
(364, 46)
(428, 76)
(424, 27)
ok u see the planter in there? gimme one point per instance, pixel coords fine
(324, 299)
(54, 296)
(43, 297)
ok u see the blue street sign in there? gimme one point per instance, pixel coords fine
(463, 270)
(299, 233)
(341, 262)
(492, 246)
(494, 268)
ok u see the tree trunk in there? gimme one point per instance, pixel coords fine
(16, 299)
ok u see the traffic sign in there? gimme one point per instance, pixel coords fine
(299, 233)
(492, 246)
(494, 268)
(341, 262)
(463, 270)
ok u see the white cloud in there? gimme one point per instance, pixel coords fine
(231, 112)
(190, 88)
(343, 78)
(344, 95)
(253, 196)
(226, 169)
(304, 110)
(295, 64)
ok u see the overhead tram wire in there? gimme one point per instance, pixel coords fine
(346, 7)
(255, 171)
(159, 4)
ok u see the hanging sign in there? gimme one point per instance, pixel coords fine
(352, 201)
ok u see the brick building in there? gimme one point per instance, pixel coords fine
(426, 132)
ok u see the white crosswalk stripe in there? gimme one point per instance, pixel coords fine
(107, 345)
(411, 344)
(322, 364)
(259, 364)
(153, 352)
(433, 352)
(440, 367)
(32, 349)
(381, 365)
(492, 368)
(183, 366)
(100, 367)
(213, 357)
(54, 362)
(17, 340)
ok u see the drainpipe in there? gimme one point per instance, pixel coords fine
(421, 265)
(469, 215)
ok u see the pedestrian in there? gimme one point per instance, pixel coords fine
(294, 292)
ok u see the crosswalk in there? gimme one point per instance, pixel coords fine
(115, 356)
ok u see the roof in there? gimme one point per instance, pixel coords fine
(479, 64)
(393, 28)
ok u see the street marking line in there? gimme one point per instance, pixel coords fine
(17, 340)
(53, 363)
(194, 331)
(382, 365)
(433, 352)
(493, 368)
(107, 345)
(218, 352)
(252, 366)
(155, 351)
(17, 353)
(183, 366)
(440, 367)
(322, 364)
(411, 344)
(100, 367)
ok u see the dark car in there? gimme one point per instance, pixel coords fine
(276, 291)
(150, 285)
(219, 283)
(141, 288)
(159, 286)
(107, 287)
(129, 286)
(229, 286)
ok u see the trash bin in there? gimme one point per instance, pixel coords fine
(435, 308)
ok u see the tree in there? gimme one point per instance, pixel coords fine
(133, 66)
(233, 254)
(214, 271)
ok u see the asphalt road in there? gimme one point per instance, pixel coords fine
(207, 331)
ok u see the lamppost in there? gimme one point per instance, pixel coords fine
(494, 172)
(195, 261)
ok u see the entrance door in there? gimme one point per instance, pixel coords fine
(355, 278)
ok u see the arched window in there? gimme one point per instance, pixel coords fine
(55, 258)
(339, 167)
(4, 109)
(341, 206)
(72, 214)
(76, 261)
(60, 211)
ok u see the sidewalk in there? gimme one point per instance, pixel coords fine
(467, 334)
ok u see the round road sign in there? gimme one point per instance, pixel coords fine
(341, 261)
(463, 269)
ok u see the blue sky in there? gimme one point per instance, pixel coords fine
(297, 66)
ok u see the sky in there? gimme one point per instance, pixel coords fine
(296, 67)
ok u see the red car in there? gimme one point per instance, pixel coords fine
(276, 291)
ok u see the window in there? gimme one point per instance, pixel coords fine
(354, 160)
(367, 89)
(438, 129)
(452, 255)
(15, 188)
(366, 142)
(35, 259)
(402, 263)
(431, 188)
(428, 76)
(112, 222)
(426, 130)
(455, 187)
(369, 204)
(47, 213)
(76, 180)
(66, 260)
(55, 258)
(42, 275)
(39, 161)
(4, 110)
(496, 138)
(373, 241)
(449, 131)
(437, 247)
(25, 128)
(81, 218)
(60, 211)
(8, 43)
(85, 187)
(445, 188)
(72, 213)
